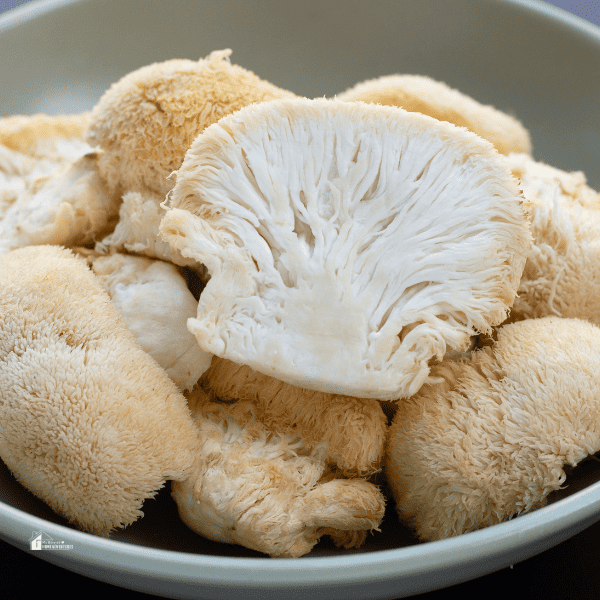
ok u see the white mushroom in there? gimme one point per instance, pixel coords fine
(348, 244)
(155, 303)
(50, 188)
(146, 121)
(90, 423)
(561, 275)
(350, 431)
(68, 206)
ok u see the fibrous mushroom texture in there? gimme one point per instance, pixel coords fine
(67, 205)
(351, 431)
(561, 275)
(147, 120)
(261, 489)
(348, 244)
(419, 93)
(154, 302)
(491, 439)
(90, 423)
(50, 189)
(57, 138)
(136, 231)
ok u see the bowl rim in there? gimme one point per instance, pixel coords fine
(14, 17)
(568, 513)
(531, 528)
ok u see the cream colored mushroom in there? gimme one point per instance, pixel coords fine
(262, 489)
(90, 423)
(155, 303)
(491, 439)
(347, 244)
(146, 121)
(561, 275)
(419, 93)
(350, 431)
(68, 206)
(50, 189)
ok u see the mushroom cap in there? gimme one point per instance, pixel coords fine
(264, 490)
(419, 93)
(490, 440)
(561, 275)
(348, 244)
(155, 303)
(90, 423)
(147, 120)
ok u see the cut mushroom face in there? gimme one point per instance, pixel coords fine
(348, 244)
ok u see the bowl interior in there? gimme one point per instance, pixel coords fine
(524, 57)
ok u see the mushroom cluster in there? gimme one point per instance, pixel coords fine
(277, 304)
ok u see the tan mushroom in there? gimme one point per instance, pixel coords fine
(90, 423)
(50, 189)
(263, 490)
(491, 439)
(350, 431)
(561, 275)
(145, 123)
(40, 136)
(419, 93)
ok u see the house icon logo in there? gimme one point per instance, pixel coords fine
(42, 541)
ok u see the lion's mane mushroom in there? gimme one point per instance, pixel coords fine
(348, 244)
(147, 120)
(419, 93)
(50, 189)
(89, 422)
(155, 303)
(263, 490)
(46, 137)
(351, 431)
(561, 275)
(491, 439)
(70, 206)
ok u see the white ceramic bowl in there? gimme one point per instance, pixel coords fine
(523, 56)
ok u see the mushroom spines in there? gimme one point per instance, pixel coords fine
(333, 226)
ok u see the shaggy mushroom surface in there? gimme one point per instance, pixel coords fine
(491, 439)
(561, 275)
(144, 124)
(90, 423)
(50, 188)
(418, 93)
(264, 490)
